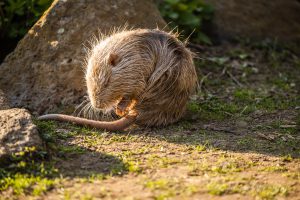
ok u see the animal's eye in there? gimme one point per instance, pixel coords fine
(113, 59)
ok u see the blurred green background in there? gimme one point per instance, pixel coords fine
(16, 18)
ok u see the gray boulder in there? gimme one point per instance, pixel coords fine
(17, 132)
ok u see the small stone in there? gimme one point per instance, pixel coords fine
(61, 30)
(17, 132)
(54, 43)
(255, 70)
(241, 124)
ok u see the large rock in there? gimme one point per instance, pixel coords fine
(3, 101)
(17, 132)
(277, 19)
(45, 70)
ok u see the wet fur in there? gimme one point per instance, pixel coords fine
(151, 67)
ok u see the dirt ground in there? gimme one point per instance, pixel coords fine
(240, 139)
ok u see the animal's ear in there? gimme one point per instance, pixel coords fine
(113, 59)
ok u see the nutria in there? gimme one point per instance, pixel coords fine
(146, 75)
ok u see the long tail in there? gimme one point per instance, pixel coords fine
(116, 125)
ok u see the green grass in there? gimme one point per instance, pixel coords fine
(165, 188)
(25, 184)
(275, 168)
(162, 187)
(269, 192)
(158, 184)
(213, 109)
(47, 130)
(222, 166)
(133, 167)
(71, 149)
(217, 188)
(28, 173)
(244, 102)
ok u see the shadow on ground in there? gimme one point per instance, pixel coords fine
(253, 135)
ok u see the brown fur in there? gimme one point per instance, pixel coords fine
(146, 72)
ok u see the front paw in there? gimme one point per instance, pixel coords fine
(121, 111)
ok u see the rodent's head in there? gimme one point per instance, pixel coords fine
(108, 77)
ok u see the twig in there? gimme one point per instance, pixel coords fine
(227, 113)
(202, 80)
(243, 110)
(223, 71)
(195, 46)
(288, 126)
(234, 79)
(209, 128)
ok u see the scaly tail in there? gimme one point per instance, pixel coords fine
(116, 125)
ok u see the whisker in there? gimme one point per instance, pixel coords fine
(85, 109)
(82, 110)
(81, 105)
